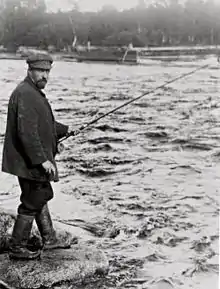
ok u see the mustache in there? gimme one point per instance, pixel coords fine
(42, 80)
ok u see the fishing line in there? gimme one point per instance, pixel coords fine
(83, 127)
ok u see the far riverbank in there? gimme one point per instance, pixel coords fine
(146, 52)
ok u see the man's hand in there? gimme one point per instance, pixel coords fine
(49, 167)
(74, 132)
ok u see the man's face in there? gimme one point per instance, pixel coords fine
(40, 77)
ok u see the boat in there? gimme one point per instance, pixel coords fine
(108, 55)
(121, 55)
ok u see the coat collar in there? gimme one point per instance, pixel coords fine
(32, 84)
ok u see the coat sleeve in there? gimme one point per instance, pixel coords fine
(27, 124)
(61, 129)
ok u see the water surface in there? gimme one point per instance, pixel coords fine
(147, 177)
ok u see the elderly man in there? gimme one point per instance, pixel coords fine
(30, 147)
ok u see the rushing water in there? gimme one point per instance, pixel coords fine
(144, 180)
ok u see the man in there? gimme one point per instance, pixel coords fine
(30, 147)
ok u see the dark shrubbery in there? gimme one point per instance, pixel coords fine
(166, 23)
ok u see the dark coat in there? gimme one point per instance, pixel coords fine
(31, 133)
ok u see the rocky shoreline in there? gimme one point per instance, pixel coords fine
(54, 267)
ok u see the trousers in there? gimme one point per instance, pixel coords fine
(34, 195)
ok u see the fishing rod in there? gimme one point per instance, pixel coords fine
(5, 285)
(83, 127)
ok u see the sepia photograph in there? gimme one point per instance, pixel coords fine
(109, 144)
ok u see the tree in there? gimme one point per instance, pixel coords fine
(164, 22)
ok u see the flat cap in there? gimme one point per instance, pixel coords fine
(40, 61)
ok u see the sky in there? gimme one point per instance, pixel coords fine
(94, 5)
(90, 5)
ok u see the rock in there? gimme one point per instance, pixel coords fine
(74, 265)
(6, 223)
(59, 266)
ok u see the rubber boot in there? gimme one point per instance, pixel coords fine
(48, 234)
(19, 239)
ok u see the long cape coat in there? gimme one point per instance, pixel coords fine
(31, 134)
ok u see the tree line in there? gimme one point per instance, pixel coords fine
(164, 23)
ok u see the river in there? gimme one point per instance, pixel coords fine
(147, 176)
